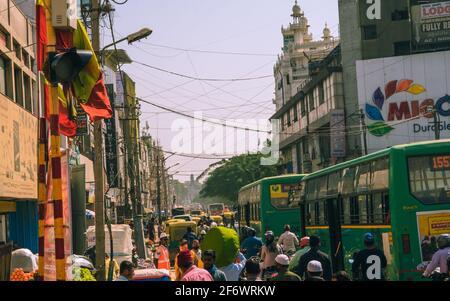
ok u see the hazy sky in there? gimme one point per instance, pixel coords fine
(239, 26)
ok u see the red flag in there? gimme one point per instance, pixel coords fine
(41, 30)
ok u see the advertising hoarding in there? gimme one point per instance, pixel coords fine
(430, 25)
(18, 167)
(399, 95)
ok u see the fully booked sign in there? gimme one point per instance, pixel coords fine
(111, 144)
(430, 24)
(400, 95)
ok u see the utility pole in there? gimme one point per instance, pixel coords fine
(98, 162)
(363, 125)
(437, 125)
(158, 191)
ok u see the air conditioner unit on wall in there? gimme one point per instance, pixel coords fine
(64, 14)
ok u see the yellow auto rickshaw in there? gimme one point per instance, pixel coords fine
(217, 219)
(228, 218)
(176, 231)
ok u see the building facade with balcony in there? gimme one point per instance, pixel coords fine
(19, 111)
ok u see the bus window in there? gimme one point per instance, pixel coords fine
(380, 174)
(378, 214)
(354, 211)
(348, 181)
(386, 209)
(324, 213)
(321, 187)
(308, 214)
(363, 209)
(333, 184)
(429, 178)
(362, 178)
(317, 213)
(346, 211)
(284, 196)
(311, 190)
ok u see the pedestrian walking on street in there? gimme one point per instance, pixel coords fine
(198, 253)
(202, 235)
(314, 271)
(251, 246)
(283, 273)
(126, 271)
(233, 270)
(269, 251)
(190, 237)
(315, 254)
(440, 258)
(294, 265)
(252, 270)
(288, 241)
(209, 263)
(151, 229)
(189, 271)
(370, 263)
(161, 257)
(116, 269)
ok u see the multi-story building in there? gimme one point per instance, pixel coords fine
(19, 111)
(299, 48)
(308, 98)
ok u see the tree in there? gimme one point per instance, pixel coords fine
(226, 180)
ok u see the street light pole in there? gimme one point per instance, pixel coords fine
(98, 163)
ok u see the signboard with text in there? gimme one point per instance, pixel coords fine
(18, 153)
(111, 144)
(431, 26)
(397, 93)
(337, 139)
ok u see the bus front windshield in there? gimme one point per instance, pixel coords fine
(429, 178)
(285, 196)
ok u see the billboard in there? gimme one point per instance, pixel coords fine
(397, 94)
(18, 167)
(430, 25)
(112, 169)
(337, 138)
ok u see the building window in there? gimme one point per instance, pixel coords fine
(4, 39)
(288, 115)
(27, 88)
(3, 75)
(311, 102)
(402, 48)
(321, 93)
(369, 32)
(288, 79)
(296, 113)
(399, 15)
(26, 58)
(18, 86)
(17, 49)
(302, 107)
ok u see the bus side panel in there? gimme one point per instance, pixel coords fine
(353, 241)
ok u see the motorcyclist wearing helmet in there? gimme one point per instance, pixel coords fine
(251, 246)
(440, 257)
(269, 251)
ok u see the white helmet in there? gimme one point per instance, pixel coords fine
(213, 224)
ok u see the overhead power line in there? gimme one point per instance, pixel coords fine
(204, 79)
(201, 119)
(212, 51)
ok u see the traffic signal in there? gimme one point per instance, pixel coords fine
(65, 66)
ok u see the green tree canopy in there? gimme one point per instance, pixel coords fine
(226, 180)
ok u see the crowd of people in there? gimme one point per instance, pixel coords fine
(286, 258)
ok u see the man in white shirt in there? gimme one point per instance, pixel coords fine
(288, 240)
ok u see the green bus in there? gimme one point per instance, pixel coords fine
(270, 203)
(400, 194)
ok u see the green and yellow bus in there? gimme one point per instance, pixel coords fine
(271, 203)
(400, 194)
